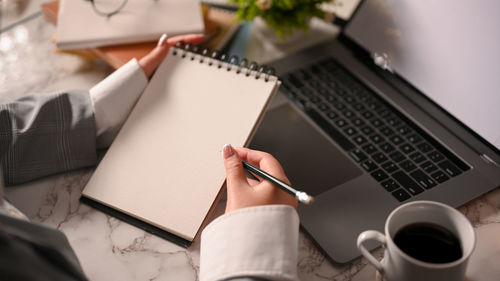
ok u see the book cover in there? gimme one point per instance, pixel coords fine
(81, 26)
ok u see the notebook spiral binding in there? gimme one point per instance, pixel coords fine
(221, 60)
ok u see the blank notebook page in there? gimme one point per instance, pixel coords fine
(165, 167)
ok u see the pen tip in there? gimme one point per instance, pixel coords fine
(304, 197)
(309, 200)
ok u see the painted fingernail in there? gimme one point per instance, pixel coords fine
(227, 151)
(163, 39)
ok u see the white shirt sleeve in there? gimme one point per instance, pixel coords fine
(113, 99)
(260, 242)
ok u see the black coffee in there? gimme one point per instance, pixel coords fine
(428, 242)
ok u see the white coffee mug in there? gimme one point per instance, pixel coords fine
(399, 266)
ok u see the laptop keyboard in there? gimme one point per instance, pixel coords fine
(403, 158)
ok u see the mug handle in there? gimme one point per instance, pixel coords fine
(371, 235)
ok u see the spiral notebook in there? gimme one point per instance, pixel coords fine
(164, 171)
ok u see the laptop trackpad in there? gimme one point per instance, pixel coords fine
(311, 161)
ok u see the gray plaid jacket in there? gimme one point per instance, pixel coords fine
(42, 135)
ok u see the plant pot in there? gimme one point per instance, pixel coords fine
(266, 33)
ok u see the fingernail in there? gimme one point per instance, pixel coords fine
(193, 36)
(227, 151)
(163, 39)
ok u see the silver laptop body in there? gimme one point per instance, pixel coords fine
(374, 50)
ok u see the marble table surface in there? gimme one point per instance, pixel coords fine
(109, 249)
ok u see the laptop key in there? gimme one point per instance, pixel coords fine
(313, 83)
(404, 130)
(390, 185)
(386, 131)
(397, 156)
(374, 105)
(385, 113)
(386, 147)
(401, 195)
(359, 140)
(423, 179)
(408, 183)
(314, 99)
(307, 92)
(341, 123)
(379, 175)
(435, 156)
(332, 84)
(440, 177)
(349, 114)
(424, 147)
(449, 168)
(390, 167)
(428, 167)
(323, 107)
(377, 123)
(417, 157)
(341, 92)
(350, 131)
(376, 138)
(367, 114)
(358, 155)
(407, 165)
(358, 107)
(394, 121)
(358, 122)
(369, 165)
(331, 114)
(323, 91)
(367, 130)
(397, 140)
(321, 73)
(349, 99)
(414, 138)
(339, 106)
(338, 137)
(379, 157)
(369, 148)
(406, 148)
(331, 98)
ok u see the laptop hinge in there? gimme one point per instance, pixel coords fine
(488, 160)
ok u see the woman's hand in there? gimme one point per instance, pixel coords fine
(151, 61)
(243, 192)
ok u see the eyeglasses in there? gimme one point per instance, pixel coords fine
(107, 8)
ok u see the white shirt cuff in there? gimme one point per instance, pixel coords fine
(113, 99)
(257, 242)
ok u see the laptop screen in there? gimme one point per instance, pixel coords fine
(448, 50)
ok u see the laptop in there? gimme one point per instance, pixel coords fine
(403, 105)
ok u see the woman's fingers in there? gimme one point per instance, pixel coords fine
(152, 60)
(264, 161)
(235, 173)
(187, 38)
